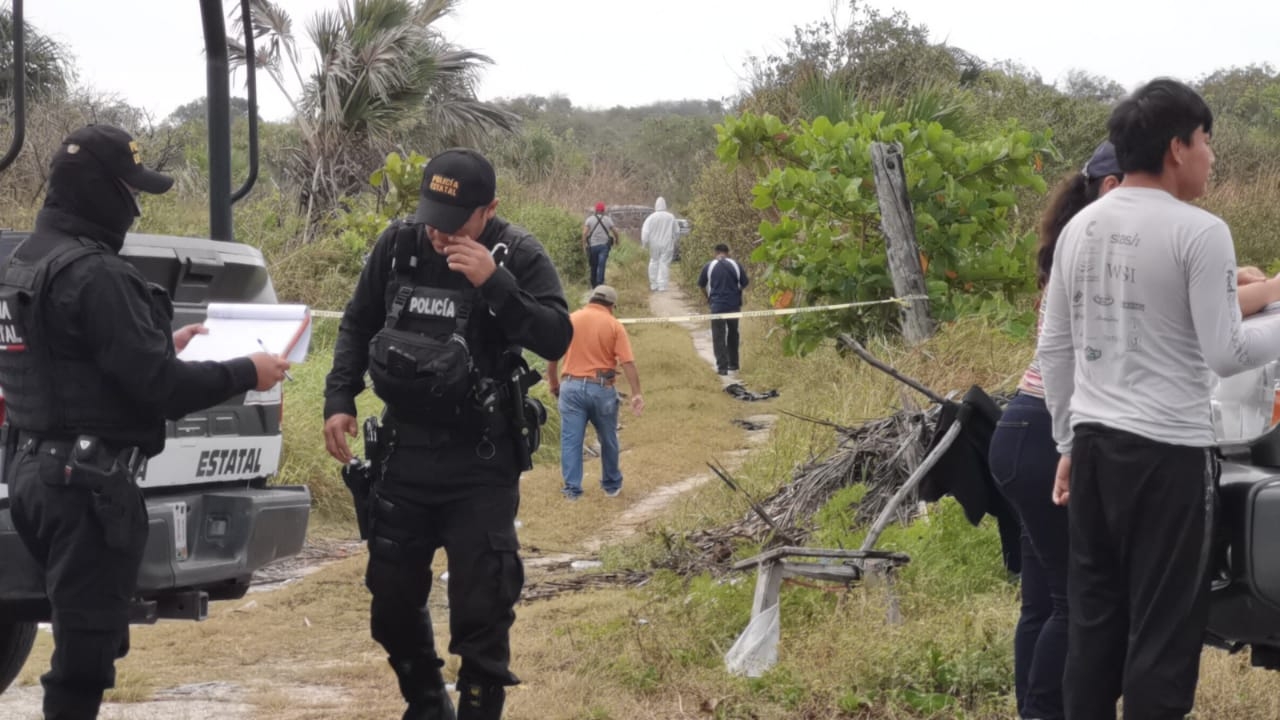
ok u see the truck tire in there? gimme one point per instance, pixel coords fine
(16, 640)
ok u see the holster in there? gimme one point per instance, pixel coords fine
(527, 414)
(109, 476)
(359, 475)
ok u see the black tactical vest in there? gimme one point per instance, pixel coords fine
(422, 362)
(28, 373)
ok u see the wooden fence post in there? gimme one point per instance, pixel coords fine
(899, 226)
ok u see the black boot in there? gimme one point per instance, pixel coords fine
(480, 702)
(422, 686)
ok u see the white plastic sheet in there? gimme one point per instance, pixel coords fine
(756, 649)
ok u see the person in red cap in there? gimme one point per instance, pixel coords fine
(90, 373)
(598, 236)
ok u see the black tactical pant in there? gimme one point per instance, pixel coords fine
(724, 341)
(90, 582)
(446, 498)
(1141, 518)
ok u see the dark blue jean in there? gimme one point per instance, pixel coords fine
(582, 402)
(1024, 459)
(599, 256)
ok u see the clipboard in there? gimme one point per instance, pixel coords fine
(239, 329)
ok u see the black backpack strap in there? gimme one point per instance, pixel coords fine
(406, 248)
(23, 271)
(64, 257)
(464, 314)
(397, 305)
(600, 223)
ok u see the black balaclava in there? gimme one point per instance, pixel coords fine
(85, 189)
(95, 177)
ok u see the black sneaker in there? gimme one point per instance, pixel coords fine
(722, 372)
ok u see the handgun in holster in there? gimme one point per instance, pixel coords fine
(358, 475)
(110, 476)
(527, 414)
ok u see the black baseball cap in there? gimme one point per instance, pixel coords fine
(114, 151)
(454, 184)
(1102, 163)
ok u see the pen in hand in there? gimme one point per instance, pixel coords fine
(263, 345)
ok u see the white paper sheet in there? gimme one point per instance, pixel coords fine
(239, 329)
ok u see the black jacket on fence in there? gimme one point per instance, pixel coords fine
(964, 473)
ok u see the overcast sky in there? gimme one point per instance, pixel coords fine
(602, 53)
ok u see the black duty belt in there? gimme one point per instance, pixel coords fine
(402, 434)
(59, 447)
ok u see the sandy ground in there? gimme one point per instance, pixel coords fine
(229, 701)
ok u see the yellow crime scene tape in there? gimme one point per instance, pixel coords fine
(768, 313)
(724, 316)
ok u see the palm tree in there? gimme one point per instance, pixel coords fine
(49, 69)
(383, 72)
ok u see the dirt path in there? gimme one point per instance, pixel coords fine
(235, 701)
(672, 303)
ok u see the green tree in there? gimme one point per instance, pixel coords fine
(668, 153)
(824, 243)
(197, 111)
(49, 69)
(1078, 117)
(1250, 95)
(876, 59)
(659, 149)
(1087, 86)
(383, 73)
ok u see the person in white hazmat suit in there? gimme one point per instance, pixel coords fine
(659, 235)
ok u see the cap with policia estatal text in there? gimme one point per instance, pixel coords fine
(454, 184)
(114, 151)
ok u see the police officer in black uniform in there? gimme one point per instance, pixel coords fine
(439, 317)
(90, 373)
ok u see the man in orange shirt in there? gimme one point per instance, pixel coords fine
(584, 385)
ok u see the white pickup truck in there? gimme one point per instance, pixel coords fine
(214, 519)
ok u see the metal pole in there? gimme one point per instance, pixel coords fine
(218, 104)
(926, 465)
(251, 82)
(19, 87)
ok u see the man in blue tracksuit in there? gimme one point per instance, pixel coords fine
(723, 280)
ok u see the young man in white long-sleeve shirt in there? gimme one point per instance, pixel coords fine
(1141, 306)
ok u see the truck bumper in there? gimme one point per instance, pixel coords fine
(212, 540)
